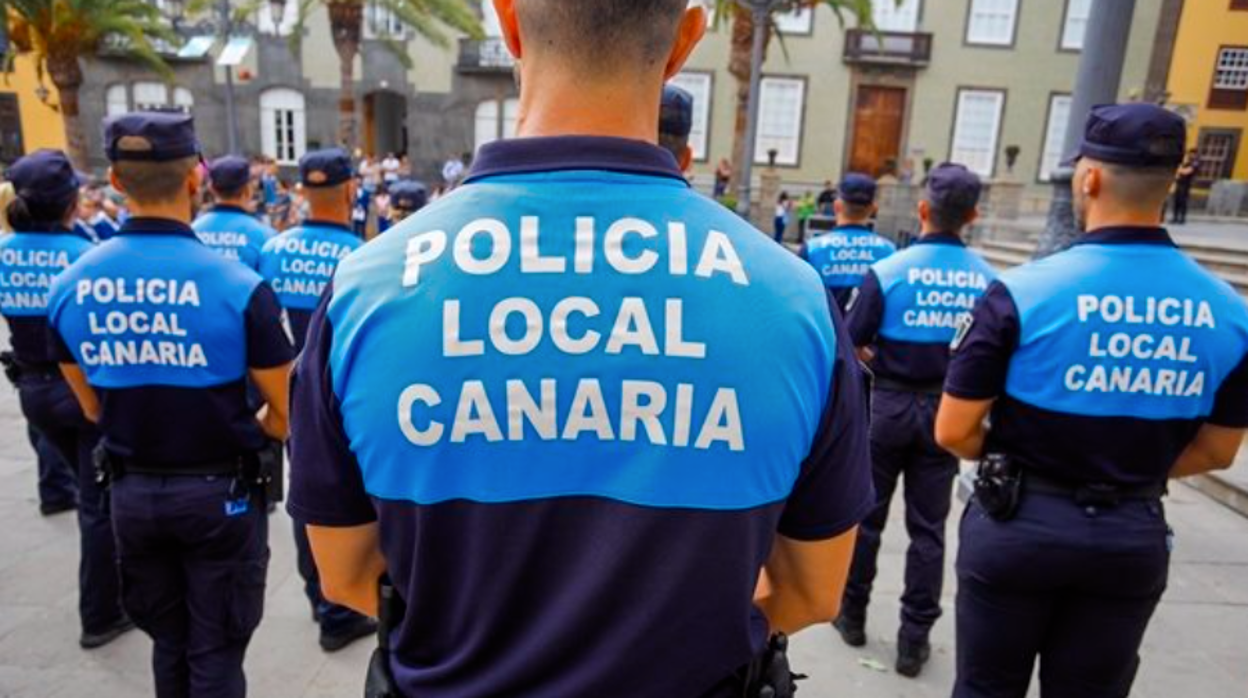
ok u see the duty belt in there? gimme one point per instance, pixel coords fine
(897, 386)
(222, 468)
(1090, 494)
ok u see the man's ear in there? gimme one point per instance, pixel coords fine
(115, 181)
(692, 29)
(838, 207)
(686, 159)
(925, 211)
(1093, 181)
(507, 21)
(971, 217)
(193, 181)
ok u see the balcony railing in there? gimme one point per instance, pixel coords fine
(912, 49)
(484, 56)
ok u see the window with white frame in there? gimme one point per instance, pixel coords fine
(781, 109)
(1054, 136)
(893, 17)
(977, 127)
(511, 117)
(699, 85)
(116, 100)
(183, 99)
(1232, 69)
(150, 95)
(283, 124)
(991, 22)
(380, 22)
(496, 120)
(799, 21)
(1077, 12)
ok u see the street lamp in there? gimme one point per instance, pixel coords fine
(223, 27)
(760, 11)
(277, 11)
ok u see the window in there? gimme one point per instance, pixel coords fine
(799, 21)
(698, 85)
(992, 22)
(1055, 136)
(11, 147)
(1230, 79)
(1218, 149)
(183, 99)
(150, 95)
(781, 107)
(283, 125)
(381, 22)
(1076, 24)
(892, 17)
(489, 127)
(977, 127)
(116, 101)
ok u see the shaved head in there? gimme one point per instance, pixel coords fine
(601, 37)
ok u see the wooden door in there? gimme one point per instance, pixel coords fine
(878, 122)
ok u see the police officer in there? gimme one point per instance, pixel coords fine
(230, 227)
(41, 248)
(902, 321)
(1106, 369)
(537, 406)
(843, 254)
(406, 198)
(298, 264)
(676, 123)
(157, 334)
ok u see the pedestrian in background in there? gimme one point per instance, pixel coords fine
(781, 221)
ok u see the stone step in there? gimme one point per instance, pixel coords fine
(1223, 490)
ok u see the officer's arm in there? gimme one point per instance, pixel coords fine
(1214, 448)
(83, 391)
(805, 581)
(864, 315)
(960, 426)
(350, 563)
(274, 385)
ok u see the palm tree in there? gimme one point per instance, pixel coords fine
(740, 58)
(58, 34)
(428, 18)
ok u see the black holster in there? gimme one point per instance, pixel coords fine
(267, 472)
(380, 683)
(769, 675)
(999, 486)
(12, 370)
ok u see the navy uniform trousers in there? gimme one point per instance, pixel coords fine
(50, 406)
(192, 577)
(1075, 586)
(903, 444)
(58, 480)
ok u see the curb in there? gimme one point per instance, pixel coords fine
(1222, 491)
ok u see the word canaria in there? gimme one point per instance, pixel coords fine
(624, 247)
(642, 411)
(139, 337)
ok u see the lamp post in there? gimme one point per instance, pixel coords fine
(760, 11)
(1098, 82)
(231, 111)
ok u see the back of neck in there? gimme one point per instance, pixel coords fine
(561, 104)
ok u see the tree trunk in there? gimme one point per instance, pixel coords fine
(346, 23)
(66, 74)
(740, 62)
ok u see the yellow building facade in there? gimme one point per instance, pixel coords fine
(1209, 83)
(27, 123)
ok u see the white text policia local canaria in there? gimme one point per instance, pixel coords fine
(1141, 346)
(665, 418)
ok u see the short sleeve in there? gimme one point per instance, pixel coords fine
(804, 253)
(981, 351)
(834, 491)
(326, 484)
(1230, 407)
(268, 344)
(866, 311)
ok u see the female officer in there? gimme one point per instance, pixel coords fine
(42, 245)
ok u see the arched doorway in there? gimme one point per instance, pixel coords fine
(385, 123)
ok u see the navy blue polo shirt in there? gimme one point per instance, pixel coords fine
(909, 307)
(1106, 359)
(545, 389)
(299, 264)
(234, 233)
(165, 330)
(29, 262)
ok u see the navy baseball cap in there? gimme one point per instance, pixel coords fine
(44, 177)
(1136, 135)
(151, 136)
(676, 112)
(857, 189)
(408, 195)
(950, 184)
(325, 168)
(229, 173)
